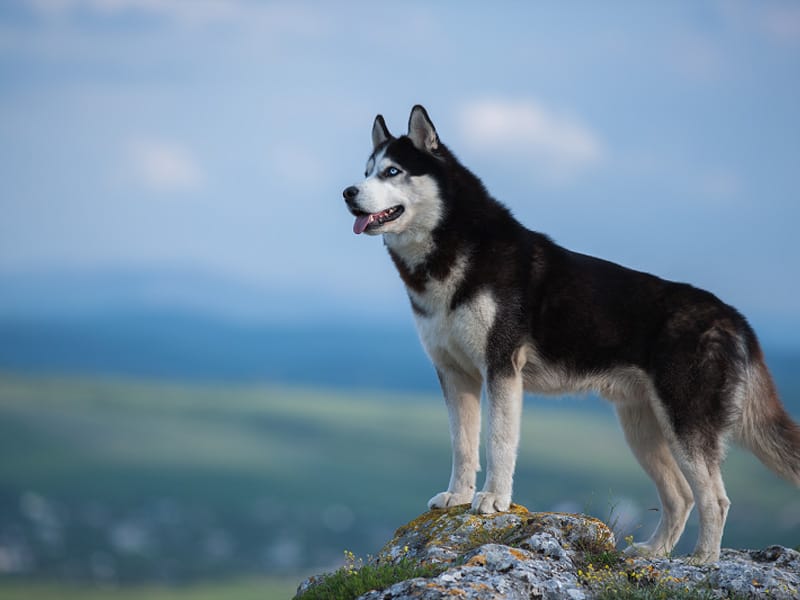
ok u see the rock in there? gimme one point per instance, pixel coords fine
(515, 554)
(770, 573)
(518, 554)
(444, 536)
(493, 571)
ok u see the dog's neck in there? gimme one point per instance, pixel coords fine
(413, 248)
(421, 258)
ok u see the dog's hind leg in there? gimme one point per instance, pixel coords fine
(646, 439)
(703, 472)
(698, 376)
(462, 394)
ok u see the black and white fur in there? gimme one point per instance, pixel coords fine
(499, 305)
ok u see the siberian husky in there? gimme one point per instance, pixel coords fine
(500, 305)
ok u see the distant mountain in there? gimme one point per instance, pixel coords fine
(181, 323)
(184, 325)
(70, 292)
(182, 345)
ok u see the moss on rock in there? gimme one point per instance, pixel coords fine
(443, 536)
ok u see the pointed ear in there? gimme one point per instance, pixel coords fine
(421, 130)
(380, 133)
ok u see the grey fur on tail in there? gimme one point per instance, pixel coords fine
(766, 429)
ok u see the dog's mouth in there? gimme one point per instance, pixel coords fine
(365, 220)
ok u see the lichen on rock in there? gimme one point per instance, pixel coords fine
(444, 536)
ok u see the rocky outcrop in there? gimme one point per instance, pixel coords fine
(518, 554)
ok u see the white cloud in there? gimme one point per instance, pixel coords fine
(263, 18)
(696, 57)
(782, 23)
(558, 144)
(776, 21)
(720, 185)
(185, 11)
(164, 166)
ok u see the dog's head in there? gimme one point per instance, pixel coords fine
(400, 192)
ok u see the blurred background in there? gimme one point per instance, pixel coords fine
(209, 387)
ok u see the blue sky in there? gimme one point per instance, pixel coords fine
(216, 137)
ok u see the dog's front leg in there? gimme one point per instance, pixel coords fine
(462, 394)
(505, 409)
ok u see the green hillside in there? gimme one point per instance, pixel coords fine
(117, 481)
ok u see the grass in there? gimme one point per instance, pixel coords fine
(616, 582)
(356, 578)
(600, 558)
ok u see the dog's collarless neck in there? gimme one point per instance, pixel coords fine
(416, 271)
(414, 277)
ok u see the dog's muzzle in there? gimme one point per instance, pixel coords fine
(350, 194)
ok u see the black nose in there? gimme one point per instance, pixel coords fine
(350, 195)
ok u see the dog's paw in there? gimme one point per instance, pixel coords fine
(486, 503)
(448, 499)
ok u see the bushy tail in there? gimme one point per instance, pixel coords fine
(765, 427)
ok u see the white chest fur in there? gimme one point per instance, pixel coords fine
(454, 338)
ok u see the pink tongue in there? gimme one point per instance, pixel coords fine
(361, 223)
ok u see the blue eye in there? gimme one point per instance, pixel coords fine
(391, 172)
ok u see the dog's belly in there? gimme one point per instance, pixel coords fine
(456, 339)
(619, 385)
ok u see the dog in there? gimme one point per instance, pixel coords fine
(499, 305)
